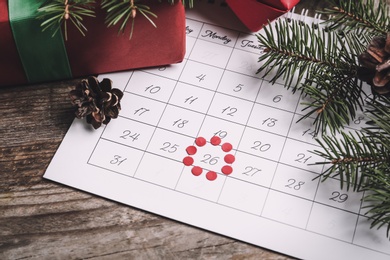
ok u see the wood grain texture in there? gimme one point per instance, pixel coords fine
(40, 219)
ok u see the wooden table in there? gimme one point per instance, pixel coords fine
(40, 219)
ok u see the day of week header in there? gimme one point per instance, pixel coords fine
(214, 35)
(249, 43)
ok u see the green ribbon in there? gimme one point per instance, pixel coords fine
(44, 57)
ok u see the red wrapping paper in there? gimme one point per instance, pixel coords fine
(11, 69)
(102, 50)
(254, 14)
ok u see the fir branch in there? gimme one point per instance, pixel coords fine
(119, 11)
(287, 47)
(322, 64)
(357, 154)
(362, 161)
(367, 16)
(307, 47)
(379, 113)
(328, 93)
(378, 199)
(57, 13)
(378, 187)
(352, 158)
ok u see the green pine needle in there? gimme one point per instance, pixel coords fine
(361, 161)
(378, 199)
(54, 14)
(121, 12)
(321, 63)
(369, 16)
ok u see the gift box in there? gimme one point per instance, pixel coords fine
(254, 14)
(28, 55)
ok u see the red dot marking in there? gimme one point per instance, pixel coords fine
(211, 175)
(188, 161)
(200, 141)
(215, 140)
(196, 170)
(229, 158)
(191, 150)
(227, 169)
(227, 147)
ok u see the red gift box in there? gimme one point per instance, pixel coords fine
(256, 13)
(102, 50)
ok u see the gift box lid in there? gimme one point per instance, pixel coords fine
(280, 4)
(254, 14)
(101, 50)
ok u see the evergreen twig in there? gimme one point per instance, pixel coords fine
(56, 13)
(366, 16)
(361, 160)
(378, 199)
(322, 63)
(119, 11)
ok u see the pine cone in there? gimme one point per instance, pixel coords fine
(97, 101)
(375, 65)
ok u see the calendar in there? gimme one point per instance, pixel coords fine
(210, 143)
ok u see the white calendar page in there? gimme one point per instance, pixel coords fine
(209, 143)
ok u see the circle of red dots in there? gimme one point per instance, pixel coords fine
(191, 150)
(229, 158)
(227, 147)
(215, 140)
(196, 170)
(227, 169)
(211, 175)
(200, 141)
(188, 161)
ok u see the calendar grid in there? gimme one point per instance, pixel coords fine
(268, 192)
(212, 143)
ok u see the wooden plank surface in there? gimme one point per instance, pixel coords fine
(40, 219)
